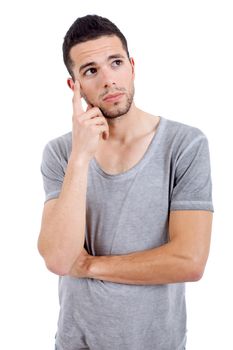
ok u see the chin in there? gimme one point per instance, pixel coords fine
(116, 111)
(114, 114)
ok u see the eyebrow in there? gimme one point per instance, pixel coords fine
(83, 66)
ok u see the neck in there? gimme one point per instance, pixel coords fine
(126, 127)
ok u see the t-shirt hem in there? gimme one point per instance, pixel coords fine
(52, 195)
(191, 205)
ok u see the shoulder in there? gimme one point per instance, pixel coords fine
(179, 135)
(178, 139)
(181, 130)
(60, 146)
(61, 141)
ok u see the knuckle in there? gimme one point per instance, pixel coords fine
(77, 119)
(97, 110)
(81, 121)
(92, 127)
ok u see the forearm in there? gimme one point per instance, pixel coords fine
(156, 266)
(63, 230)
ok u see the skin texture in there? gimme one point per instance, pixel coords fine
(185, 256)
(182, 259)
(113, 132)
(115, 75)
(110, 76)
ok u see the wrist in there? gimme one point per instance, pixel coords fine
(96, 266)
(91, 266)
(78, 161)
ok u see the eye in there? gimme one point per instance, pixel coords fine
(117, 63)
(90, 71)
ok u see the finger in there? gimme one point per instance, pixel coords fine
(92, 113)
(102, 130)
(101, 126)
(106, 134)
(77, 102)
(89, 106)
(95, 121)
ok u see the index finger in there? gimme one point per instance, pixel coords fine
(77, 103)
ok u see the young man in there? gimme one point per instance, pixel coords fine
(128, 210)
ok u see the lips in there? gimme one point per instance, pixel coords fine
(113, 97)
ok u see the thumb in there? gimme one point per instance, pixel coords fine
(106, 134)
(89, 106)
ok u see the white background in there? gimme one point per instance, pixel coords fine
(183, 55)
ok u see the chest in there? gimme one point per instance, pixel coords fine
(131, 214)
(114, 159)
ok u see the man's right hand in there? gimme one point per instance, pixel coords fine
(87, 128)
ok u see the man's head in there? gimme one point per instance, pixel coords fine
(95, 52)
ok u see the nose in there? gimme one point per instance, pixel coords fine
(107, 77)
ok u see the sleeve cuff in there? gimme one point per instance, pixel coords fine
(191, 205)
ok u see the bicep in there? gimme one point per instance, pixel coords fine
(47, 212)
(48, 208)
(190, 232)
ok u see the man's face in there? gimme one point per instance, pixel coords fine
(102, 68)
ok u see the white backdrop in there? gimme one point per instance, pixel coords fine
(183, 55)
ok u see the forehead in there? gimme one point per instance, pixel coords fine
(97, 49)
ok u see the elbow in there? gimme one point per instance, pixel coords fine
(57, 268)
(196, 271)
(56, 263)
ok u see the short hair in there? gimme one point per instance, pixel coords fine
(87, 28)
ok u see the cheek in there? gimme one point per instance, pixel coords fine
(86, 90)
(130, 83)
(127, 77)
(90, 96)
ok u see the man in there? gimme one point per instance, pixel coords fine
(128, 210)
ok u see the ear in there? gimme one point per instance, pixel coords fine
(70, 83)
(133, 66)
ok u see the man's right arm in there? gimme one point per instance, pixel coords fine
(62, 234)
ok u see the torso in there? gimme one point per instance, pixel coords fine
(117, 159)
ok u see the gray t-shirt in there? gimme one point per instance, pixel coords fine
(125, 213)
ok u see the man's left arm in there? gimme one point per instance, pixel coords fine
(182, 259)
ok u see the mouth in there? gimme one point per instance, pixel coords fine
(113, 97)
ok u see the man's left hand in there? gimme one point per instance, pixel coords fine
(81, 265)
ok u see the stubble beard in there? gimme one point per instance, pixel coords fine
(118, 112)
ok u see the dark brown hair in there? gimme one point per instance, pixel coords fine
(88, 28)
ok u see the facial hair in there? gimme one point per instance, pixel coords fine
(116, 112)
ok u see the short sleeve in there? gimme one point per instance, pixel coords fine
(192, 188)
(52, 172)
